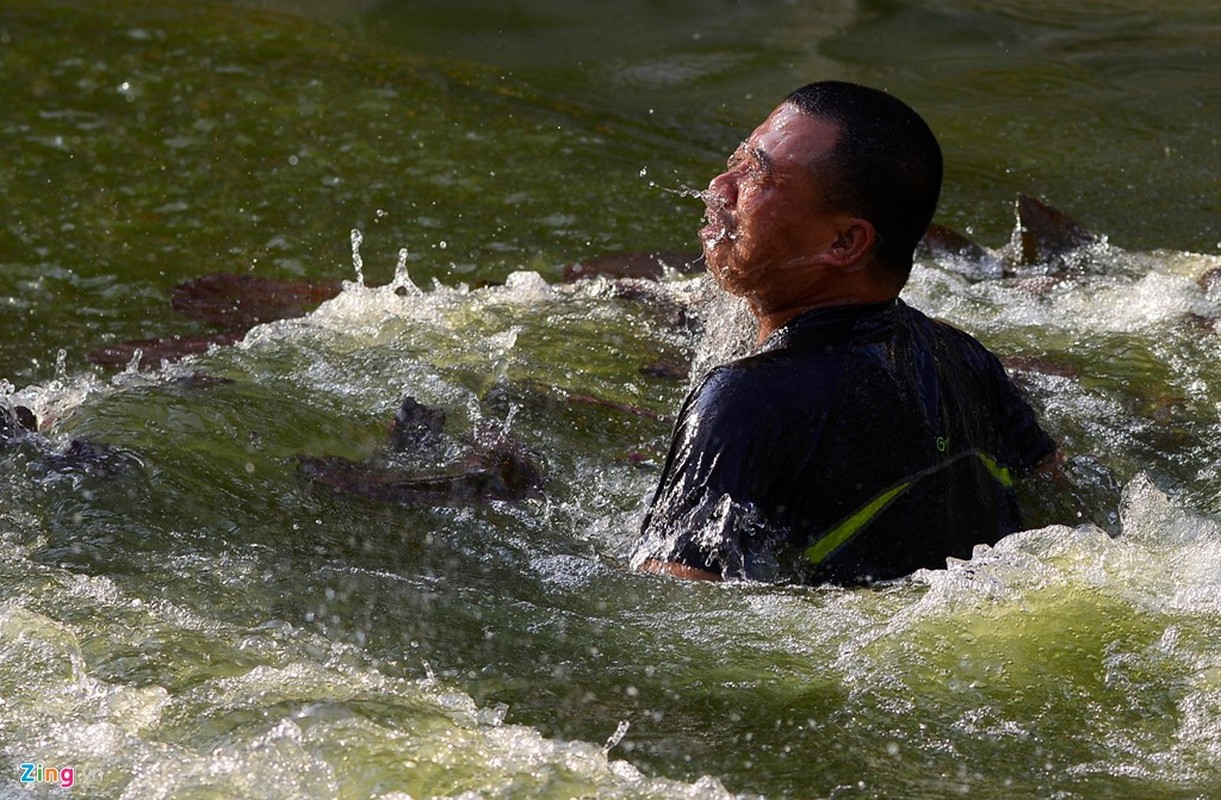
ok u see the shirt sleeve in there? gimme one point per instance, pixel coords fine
(701, 514)
(1029, 443)
(1023, 443)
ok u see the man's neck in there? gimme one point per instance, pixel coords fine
(772, 320)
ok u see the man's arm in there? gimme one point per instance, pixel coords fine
(692, 528)
(674, 569)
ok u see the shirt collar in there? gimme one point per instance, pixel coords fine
(832, 323)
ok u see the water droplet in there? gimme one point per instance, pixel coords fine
(357, 262)
(617, 736)
(402, 280)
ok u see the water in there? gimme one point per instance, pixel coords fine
(192, 616)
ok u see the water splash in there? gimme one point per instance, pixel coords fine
(133, 366)
(1123, 292)
(402, 283)
(358, 263)
(682, 190)
(714, 215)
(617, 736)
(61, 365)
(729, 329)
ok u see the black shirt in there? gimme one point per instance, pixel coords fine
(859, 443)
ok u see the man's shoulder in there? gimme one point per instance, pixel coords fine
(769, 367)
(945, 332)
(730, 378)
(769, 380)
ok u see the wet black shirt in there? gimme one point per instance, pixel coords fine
(858, 444)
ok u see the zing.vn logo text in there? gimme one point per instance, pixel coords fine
(37, 773)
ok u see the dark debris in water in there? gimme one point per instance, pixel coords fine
(234, 302)
(241, 301)
(1042, 365)
(16, 421)
(1045, 242)
(625, 408)
(19, 433)
(647, 294)
(165, 349)
(671, 370)
(948, 244)
(416, 426)
(1047, 236)
(506, 397)
(635, 265)
(414, 468)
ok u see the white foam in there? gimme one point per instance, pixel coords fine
(1123, 293)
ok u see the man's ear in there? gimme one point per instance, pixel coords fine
(854, 240)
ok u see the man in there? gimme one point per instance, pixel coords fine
(861, 441)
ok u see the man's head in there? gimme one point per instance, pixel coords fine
(825, 201)
(886, 165)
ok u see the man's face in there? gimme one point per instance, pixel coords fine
(764, 212)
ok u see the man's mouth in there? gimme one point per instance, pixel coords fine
(717, 227)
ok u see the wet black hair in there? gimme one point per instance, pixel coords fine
(885, 167)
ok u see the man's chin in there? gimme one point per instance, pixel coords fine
(724, 278)
(714, 265)
(716, 235)
(716, 254)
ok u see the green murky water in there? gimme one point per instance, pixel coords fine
(205, 622)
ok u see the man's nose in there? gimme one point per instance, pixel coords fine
(724, 189)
